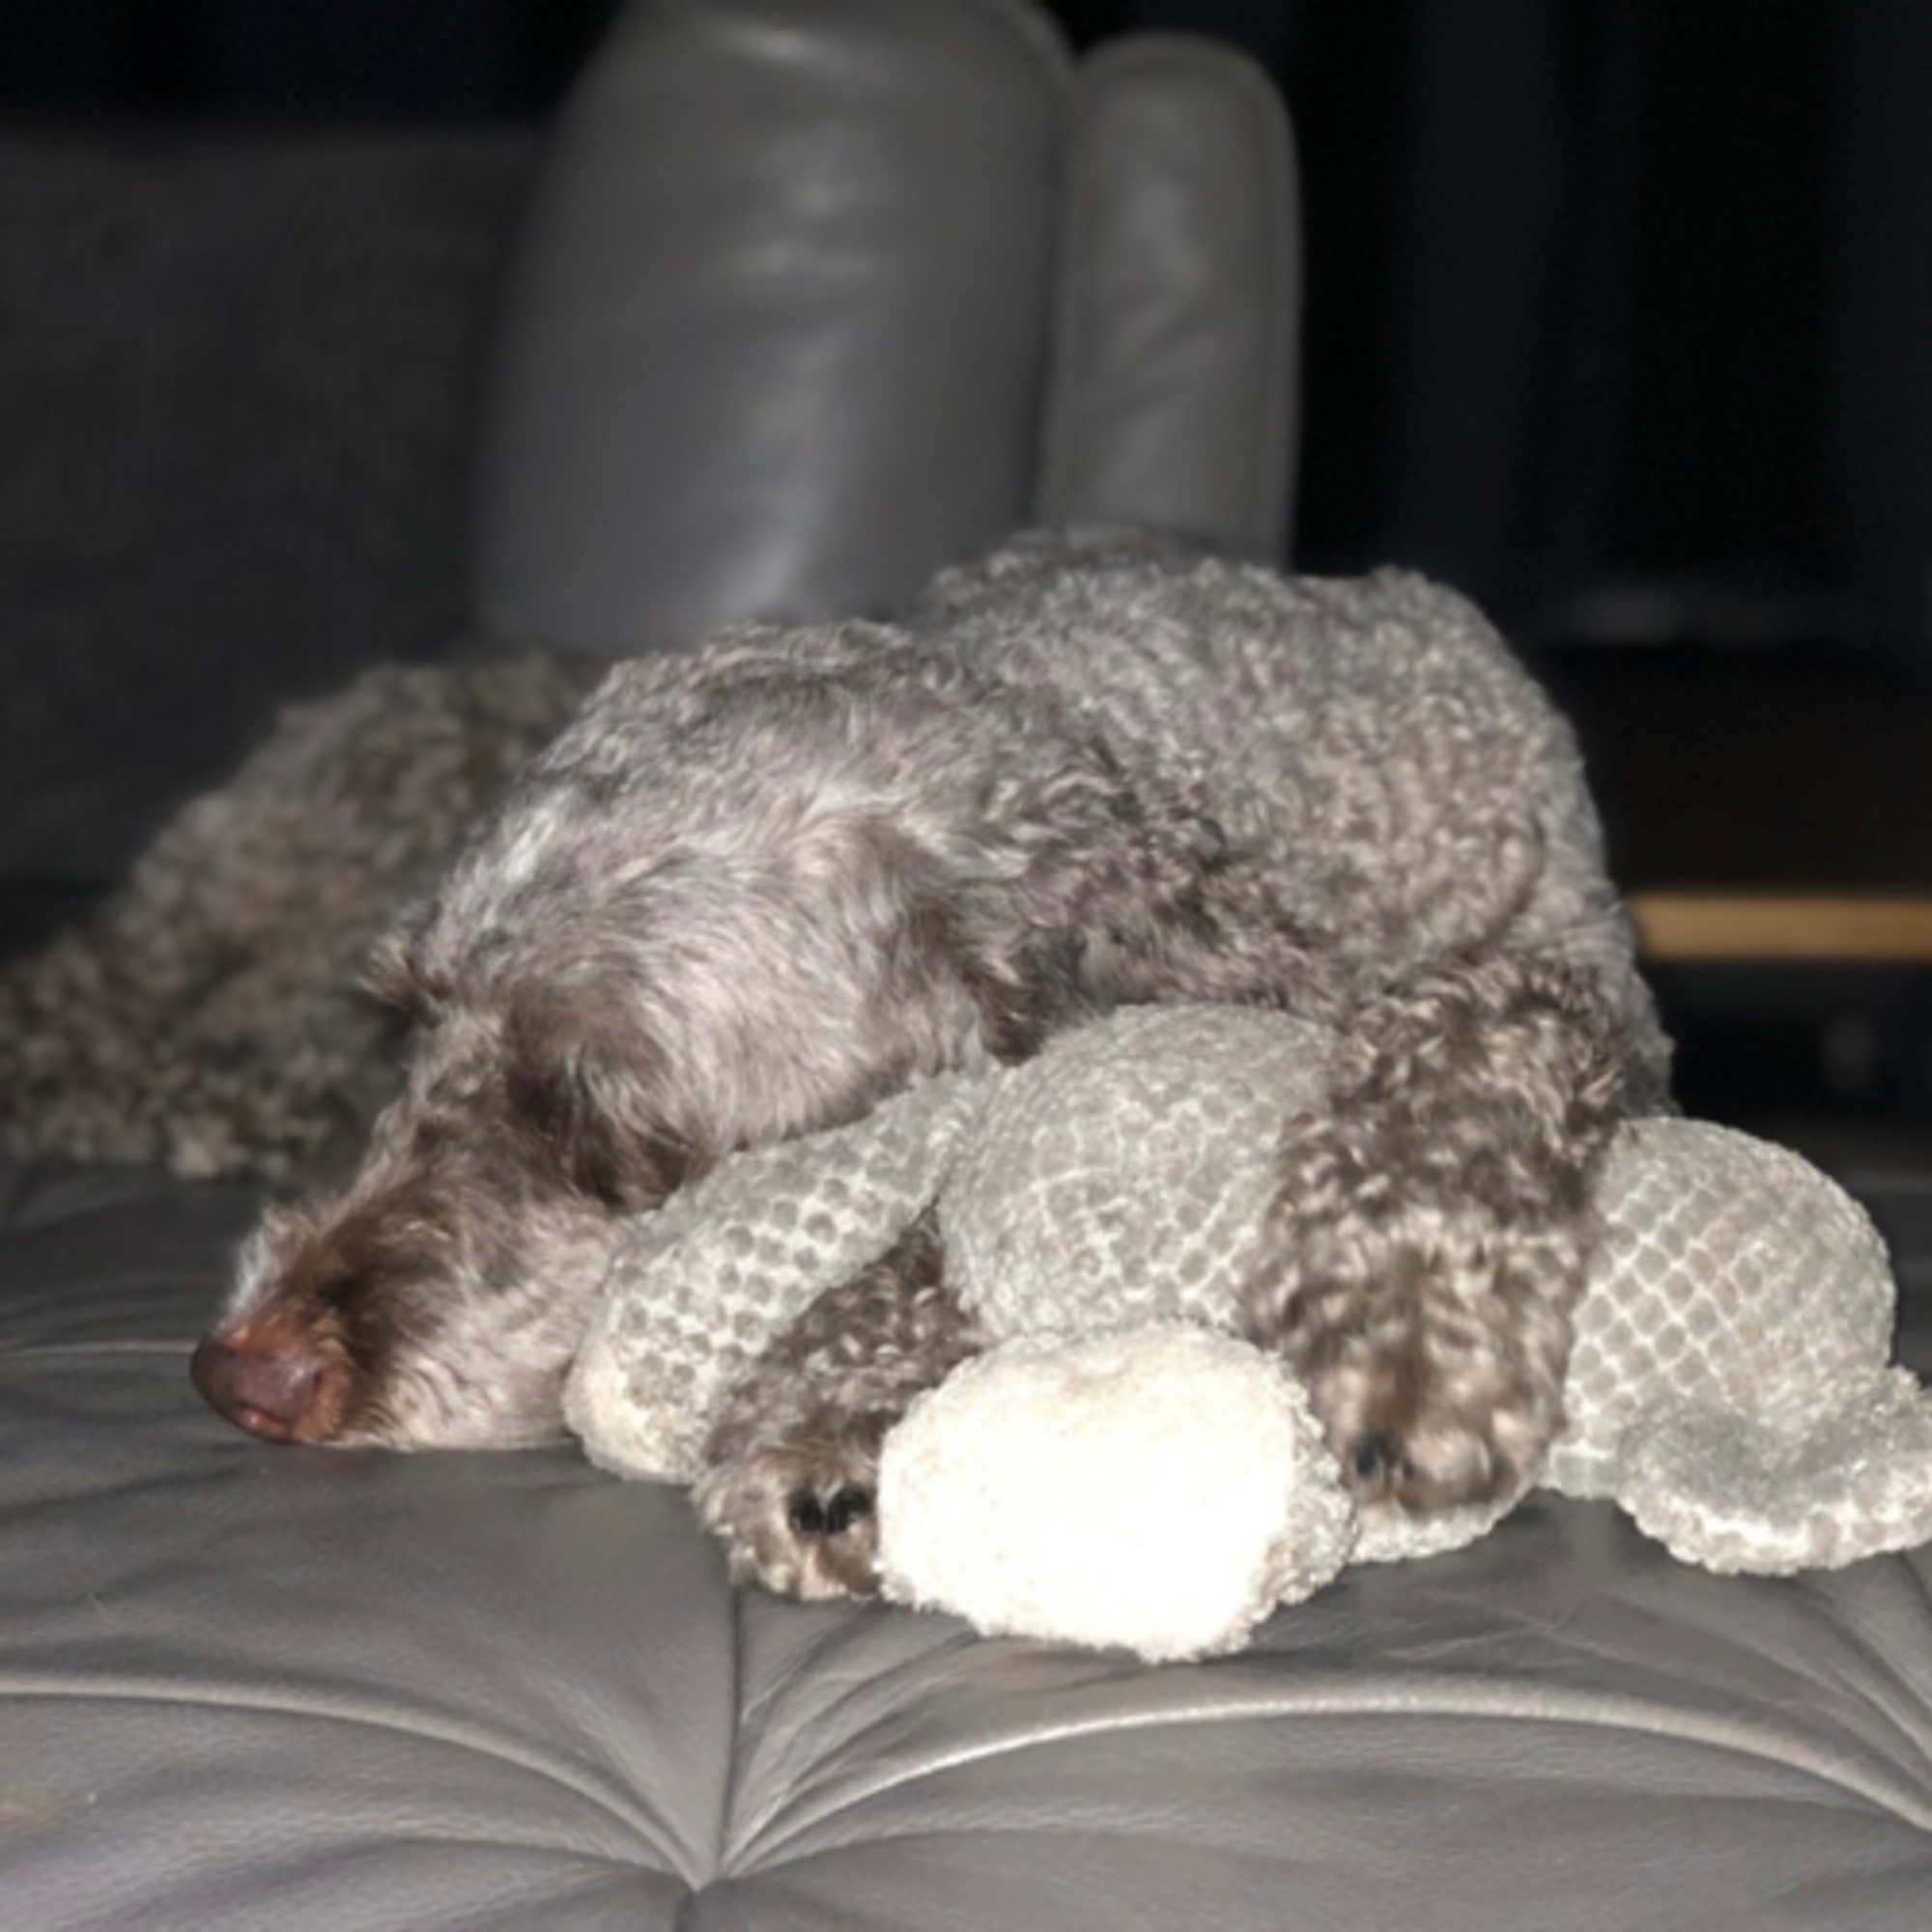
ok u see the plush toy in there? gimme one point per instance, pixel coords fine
(1730, 1385)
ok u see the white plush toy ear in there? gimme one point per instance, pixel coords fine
(1159, 1490)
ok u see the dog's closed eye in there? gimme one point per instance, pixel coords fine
(585, 1082)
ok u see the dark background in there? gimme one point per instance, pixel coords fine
(1620, 314)
(1618, 308)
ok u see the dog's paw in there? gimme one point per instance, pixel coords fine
(1425, 1433)
(800, 1518)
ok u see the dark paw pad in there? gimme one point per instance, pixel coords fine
(1434, 1463)
(800, 1518)
(811, 1515)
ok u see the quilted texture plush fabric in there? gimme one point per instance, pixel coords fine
(1731, 1272)
(1146, 1142)
(700, 1287)
(1123, 1176)
(1731, 1382)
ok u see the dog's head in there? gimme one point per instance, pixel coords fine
(593, 1021)
(439, 1302)
(742, 898)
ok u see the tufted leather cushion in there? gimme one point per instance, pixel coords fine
(245, 1686)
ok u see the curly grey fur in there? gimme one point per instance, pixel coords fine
(207, 1018)
(751, 891)
(1434, 1223)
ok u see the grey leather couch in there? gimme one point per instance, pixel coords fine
(807, 298)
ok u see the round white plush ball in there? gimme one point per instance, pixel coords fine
(1159, 1490)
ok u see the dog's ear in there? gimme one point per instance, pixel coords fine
(398, 977)
(975, 912)
(1080, 896)
(1025, 983)
(1022, 981)
(587, 1083)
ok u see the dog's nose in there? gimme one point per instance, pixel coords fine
(268, 1387)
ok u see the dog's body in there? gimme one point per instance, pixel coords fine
(206, 1017)
(751, 891)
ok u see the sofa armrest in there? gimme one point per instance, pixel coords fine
(1174, 400)
(813, 301)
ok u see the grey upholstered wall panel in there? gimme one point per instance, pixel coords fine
(1175, 392)
(781, 375)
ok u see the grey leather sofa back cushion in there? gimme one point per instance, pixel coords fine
(1174, 388)
(944, 286)
(237, 392)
